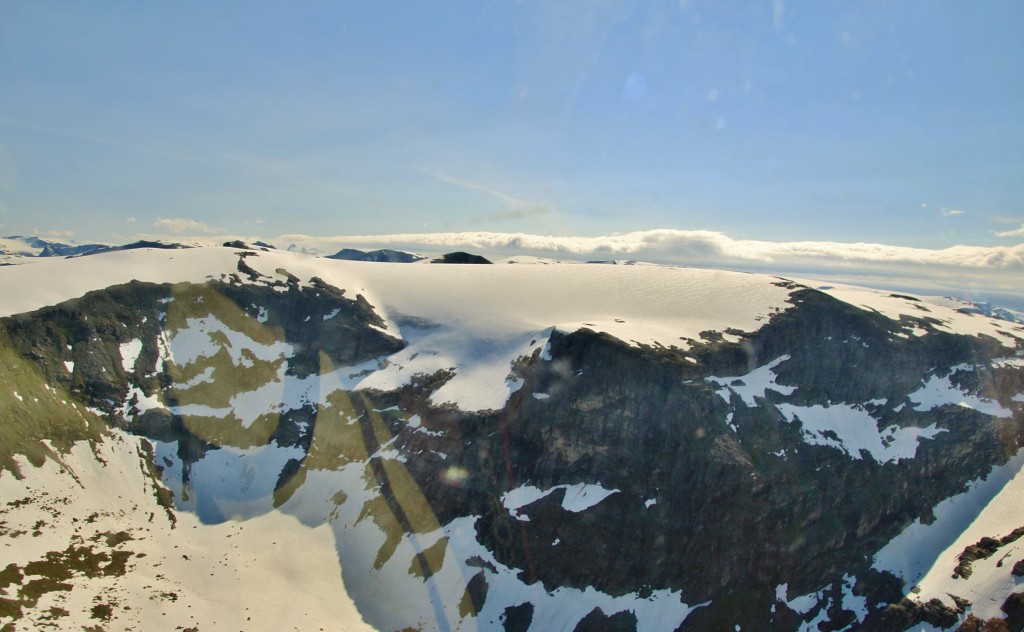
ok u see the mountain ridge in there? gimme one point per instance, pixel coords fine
(766, 412)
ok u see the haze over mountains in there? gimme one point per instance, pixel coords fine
(244, 437)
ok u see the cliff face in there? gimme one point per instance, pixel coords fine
(139, 353)
(737, 475)
(727, 499)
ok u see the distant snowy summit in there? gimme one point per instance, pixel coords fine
(384, 255)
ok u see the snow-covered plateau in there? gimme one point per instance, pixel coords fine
(246, 438)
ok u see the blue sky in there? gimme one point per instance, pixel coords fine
(887, 122)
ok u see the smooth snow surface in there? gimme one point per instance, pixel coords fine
(229, 483)
(640, 304)
(51, 281)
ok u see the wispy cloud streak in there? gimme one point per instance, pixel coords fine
(1017, 232)
(479, 188)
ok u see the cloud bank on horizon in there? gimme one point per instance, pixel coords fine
(998, 269)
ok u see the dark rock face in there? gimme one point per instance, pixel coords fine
(134, 246)
(717, 497)
(1014, 609)
(598, 621)
(461, 257)
(645, 423)
(714, 487)
(518, 618)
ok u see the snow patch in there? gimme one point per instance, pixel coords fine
(754, 384)
(578, 497)
(1004, 363)
(941, 391)
(851, 429)
(143, 402)
(801, 604)
(130, 353)
(198, 339)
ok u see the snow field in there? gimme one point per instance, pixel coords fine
(217, 576)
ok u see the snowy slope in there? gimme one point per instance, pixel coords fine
(655, 304)
(945, 313)
(926, 555)
(98, 503)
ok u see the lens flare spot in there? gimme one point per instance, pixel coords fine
(456, 476)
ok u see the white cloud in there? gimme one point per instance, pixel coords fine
(693, 247)
(952, 211)
(182, 224)
(130, 220)
(1016, 232)
(62, 234)
(955, 270)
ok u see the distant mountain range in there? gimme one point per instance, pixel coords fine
(38, 247)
